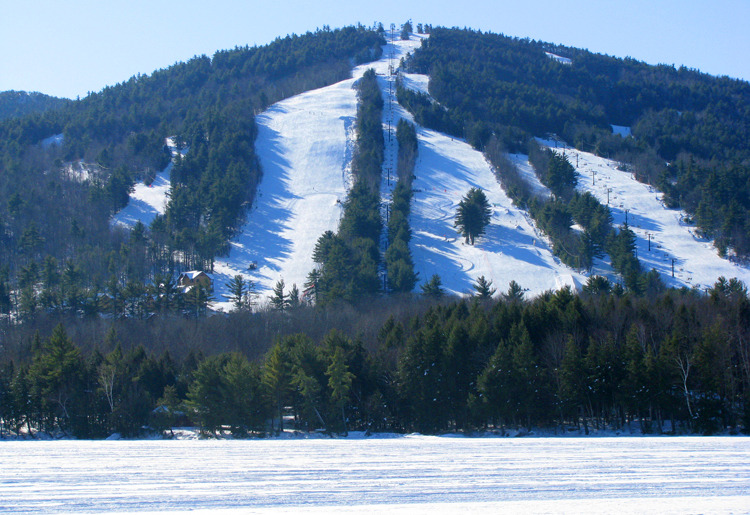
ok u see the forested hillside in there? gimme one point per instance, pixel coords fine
(56, 200)
(690, 131)
(16, 104)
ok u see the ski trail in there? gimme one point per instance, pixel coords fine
(663, 236)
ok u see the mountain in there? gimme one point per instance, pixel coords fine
(350, 170)
(257, 168)
(15, 104)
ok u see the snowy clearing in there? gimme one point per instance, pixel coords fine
(147, 201)
(410, 474)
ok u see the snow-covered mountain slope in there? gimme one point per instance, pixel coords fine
(305, 145)
(511, 250)
(696, 261)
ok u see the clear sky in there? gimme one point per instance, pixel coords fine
(68, 48)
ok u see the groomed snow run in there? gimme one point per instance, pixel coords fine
(305, 145)
(409, 474)
(512, 249)
(696, 261)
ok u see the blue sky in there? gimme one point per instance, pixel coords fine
(70, 48)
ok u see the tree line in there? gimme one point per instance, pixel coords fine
(398, 259)
(676, 361)
(348, 261)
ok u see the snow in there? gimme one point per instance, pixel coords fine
(54, 140)
(148, 201)
(560, 59)
(696, 261)
(408, 474)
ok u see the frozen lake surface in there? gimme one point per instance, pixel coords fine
(411, 474)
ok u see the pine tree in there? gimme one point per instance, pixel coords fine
(484, 288)
(473, 215)
(433, 287)
(279, 298)
(339, 383)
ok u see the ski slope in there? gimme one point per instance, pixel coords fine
(511, 250)
(406, 475)
(696, 260)
(305, 144)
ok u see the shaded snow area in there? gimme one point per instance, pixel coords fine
(560, 59)
(696, 261)
(150, 200)
(305, 145)
(410, 474)
(511, 249)
(621, 130)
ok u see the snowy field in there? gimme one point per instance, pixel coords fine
(410, 474)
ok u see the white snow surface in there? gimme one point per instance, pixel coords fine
(409, 474)
(560, 59)
(696, 260)
(147, 201)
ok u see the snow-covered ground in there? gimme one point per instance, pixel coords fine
(150, 200)
(410, 474)
(696, 261)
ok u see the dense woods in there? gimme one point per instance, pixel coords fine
(400, 274)
(15, 104)
(486, 84)
(671, 362)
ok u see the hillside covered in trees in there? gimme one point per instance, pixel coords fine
(16, 104)
(675, 362)
(98, 337)
(690, 131)
(56, 199)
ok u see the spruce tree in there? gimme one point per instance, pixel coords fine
(473, 215)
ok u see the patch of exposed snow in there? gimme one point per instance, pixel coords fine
(560, 59)
(55, 140)
(527, 173)
(148, 200)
